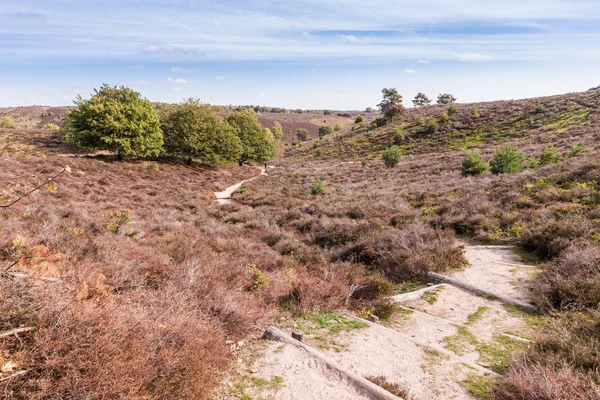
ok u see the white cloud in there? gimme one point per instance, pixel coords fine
(410, 71)
(177, 89)
(350, 38)
(473, 57)
(175, 69)
(179, 81)
(424, 62)
(262, 94)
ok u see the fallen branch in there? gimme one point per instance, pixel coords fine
(14, 375)
(15, 331)
(65, 169)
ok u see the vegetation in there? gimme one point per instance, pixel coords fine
(391, 156)
(421, 100)
(474, 164)
(398, 136)
(549, 155)
(446, 98)
(51, 127)
(453, 109)
(507, 159)
(192, 130)
(359, 119)
(258, 143)
(277, 131)
(391, 105)
(317, 188)
(475, 112)
(116, 119)
(325, 130)
(8, 123)
(431, 126)
(302, 134)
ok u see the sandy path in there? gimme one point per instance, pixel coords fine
(224, 197)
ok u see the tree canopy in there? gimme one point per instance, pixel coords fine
(445, 98)
(391, 99)
(421, 100)
(258, 143)
(116, 119)
(192, 130)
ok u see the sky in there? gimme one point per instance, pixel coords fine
(334, 54)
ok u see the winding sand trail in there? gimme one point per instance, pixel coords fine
(224, 197)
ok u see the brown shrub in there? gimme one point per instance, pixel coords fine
(549, 238)
(571, 281)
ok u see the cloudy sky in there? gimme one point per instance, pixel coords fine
(297, 53)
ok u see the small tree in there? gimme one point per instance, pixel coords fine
(302, 134)
(507, 159)
(391, 98)
(453, 109)
(325, 130)
(549, 155)
(327, 112)
(475, 112)
(394, 111)
(398, 137)
(359, 119)
(317, 188)
(8, 123)
(421, 100)
(369, 110)
(474, 164)
(431, 126)
(445, 98)
(540, 109)
(192, 130)
(258, 143)
(116, 119)
(578, 149)
(444, 117)
(277, 131)
(391, 156)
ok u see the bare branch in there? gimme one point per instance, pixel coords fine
(65, 169)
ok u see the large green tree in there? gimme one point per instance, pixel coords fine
(391, 102)
(116, 119)
(258, 143)
(192, 130)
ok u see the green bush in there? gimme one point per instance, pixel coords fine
(475, 112)
(444, 117)
(398, 137)
(302, 134)
(474, 164)
(540, 109)
(453, 109)
(52, 127)
(258, 143)
(338, 128)
(359, 119)
(430, 127)
(507, 159)
(549, 155)
(317, 188)
(116, 119)
(277, 131)
(192, 130)
(578, 149)
(325, 130)
(8, 123)
(445, 98)
(391, 156)
(393, 111)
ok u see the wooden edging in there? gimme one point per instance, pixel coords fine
(369, 388)
(473, 289)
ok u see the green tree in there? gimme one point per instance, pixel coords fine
(391, 156)
(453, 109)
(302, 134)
(431, 126)
(325, 130)
(192, 130)
(445, 98)
(398, 136)
(391, 99)
(549, 155)
(317, 188)
(277, 131)
(474, 164)
(258, 143)
(475, 112)
(507, 159)
(421, 100)
(116, 119)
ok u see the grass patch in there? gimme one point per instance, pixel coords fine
(432, 359)
(279, 349)
(458, 342)
(533, 320)
(478, 386)
(477, 315)
(409, 286)
(275, 383)
(498, 354)
(334, 323)
(431, 296)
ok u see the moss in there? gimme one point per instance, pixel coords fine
(431, 296)
(477, 315)
(498, 354)
(432, 359)
(533, 320)
(459, 342)
(480, 387)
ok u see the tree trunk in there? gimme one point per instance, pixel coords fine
(189, 161)
(119, 156)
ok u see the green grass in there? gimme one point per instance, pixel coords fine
(477, 315)
(410, 286)
(479, 386)
(460, 341)
(334, 323)
(533, 320)
(498, 353)
(432, 359)
(275, 383)
(431, 296)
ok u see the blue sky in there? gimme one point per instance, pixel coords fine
(335, 54)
